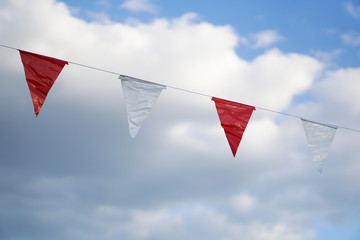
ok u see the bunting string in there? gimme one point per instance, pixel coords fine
(197, 93)
(5, 46)
(140, 96)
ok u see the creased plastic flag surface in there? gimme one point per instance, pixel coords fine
(140, 97)
(40, 73)
(234, 118)
(319, 138)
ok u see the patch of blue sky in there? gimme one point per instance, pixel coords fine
(307, 27)
(335, 231)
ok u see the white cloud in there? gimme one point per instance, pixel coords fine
(101, 17)
(327, 57)
(244, 203)
(139, 6)
(343, 82)
(275, 77)
(353, 10)
(265, 38)
(191, 135)
(352, 39)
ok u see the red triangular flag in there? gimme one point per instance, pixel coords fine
(40, 73)
(233, 117)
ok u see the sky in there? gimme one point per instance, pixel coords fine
(74, 172)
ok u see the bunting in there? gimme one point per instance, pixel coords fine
(40, 73)
(234, 118)
(319, 138)
(140, 97)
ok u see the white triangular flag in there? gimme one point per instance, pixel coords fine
(319, 138)
(140, 96)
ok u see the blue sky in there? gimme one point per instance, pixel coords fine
(306, 26)
(75, 173)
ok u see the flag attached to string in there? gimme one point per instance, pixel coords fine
(319, 138)
(234, 118)
(140, 97)
(40, 73)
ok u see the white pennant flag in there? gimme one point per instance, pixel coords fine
(319, 138)
(140, 96)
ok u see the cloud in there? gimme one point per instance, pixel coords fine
(104, 3)
(74, 172)
(266, 75)
(265, 38)
(342, 82)
(353, 10)
(161, 223)
(139, 6)
(352, 39)
(215, 226)
(244, 203)
(327, 57)
(102, 17)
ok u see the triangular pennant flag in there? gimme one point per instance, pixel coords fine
(140, 96)
(319, 138)
(234, 118)
(40, 73)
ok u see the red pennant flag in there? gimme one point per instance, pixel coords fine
(233, 117)
(40, 73)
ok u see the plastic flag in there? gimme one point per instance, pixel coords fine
(140, 97)
(234, 118)
(40, 73)
(319, 138)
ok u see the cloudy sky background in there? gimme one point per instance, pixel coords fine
(75, 173)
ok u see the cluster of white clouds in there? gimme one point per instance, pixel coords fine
(182, 184)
